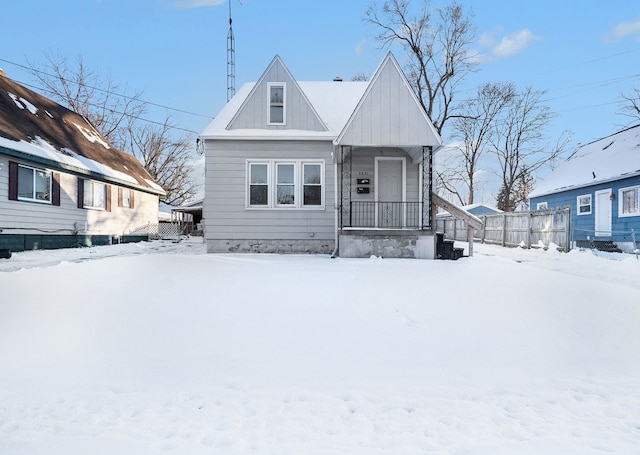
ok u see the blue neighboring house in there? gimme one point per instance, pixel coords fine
(600, 181)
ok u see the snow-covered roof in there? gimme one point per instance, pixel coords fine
(37, 129)
(610, 158)
(333, 101)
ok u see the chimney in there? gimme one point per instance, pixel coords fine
(337, 79)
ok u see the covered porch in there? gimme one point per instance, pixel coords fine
(384, 202)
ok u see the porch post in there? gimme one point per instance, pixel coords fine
(427, 187)
(345, 187)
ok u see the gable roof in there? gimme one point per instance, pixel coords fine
(398, 120)
(342, 107)
(39, 130)
(608, 159)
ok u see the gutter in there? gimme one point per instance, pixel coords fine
(336, 206)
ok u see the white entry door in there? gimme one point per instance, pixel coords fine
(390, 192)
(603, 213)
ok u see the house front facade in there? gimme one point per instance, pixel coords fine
(600, 182)
(61, 183)
(328, 167)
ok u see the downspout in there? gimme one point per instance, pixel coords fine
(336, 205)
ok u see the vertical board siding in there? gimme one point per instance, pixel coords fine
(21, 217)
(225, 212)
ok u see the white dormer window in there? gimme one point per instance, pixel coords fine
(277, 111)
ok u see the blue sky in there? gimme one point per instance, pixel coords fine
(583, 53)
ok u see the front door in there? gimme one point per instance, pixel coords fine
(390, 192)
(603, 213)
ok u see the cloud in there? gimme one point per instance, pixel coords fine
(622, 30)
(198, 3)
(360, 46)
(507, 46)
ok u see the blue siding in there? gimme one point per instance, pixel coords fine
(583, 226)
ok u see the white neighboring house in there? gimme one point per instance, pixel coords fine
(61, 183)
(331, 167)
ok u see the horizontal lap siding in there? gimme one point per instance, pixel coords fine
(225, 212)
(32, 217)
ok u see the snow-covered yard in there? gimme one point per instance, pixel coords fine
(159, 348)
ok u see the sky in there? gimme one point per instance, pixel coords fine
(199, 353)
(583, 54)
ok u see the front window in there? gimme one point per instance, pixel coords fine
(94, 195)
(629, 201)
(584, 204)
(541, 206)
(34, 184)
(258, 184)
(276, 104)
(290, 184)
(286, 184)
(312, 183)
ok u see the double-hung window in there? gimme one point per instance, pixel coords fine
(285, 184)
(34, 184)
(95, 195)
(584, 204)
(277, 106)
(629, 204)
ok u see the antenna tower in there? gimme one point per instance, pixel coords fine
(231, 60)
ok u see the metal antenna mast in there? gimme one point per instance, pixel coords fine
(231, 60)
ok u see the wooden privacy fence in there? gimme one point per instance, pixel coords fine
(527, 229)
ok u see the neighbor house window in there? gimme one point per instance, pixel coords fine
(285, 184)
(584, 204)
(541, 206)
(32, 184)
(95, 195)
(125, 198)
(629, 204)
(277, 111)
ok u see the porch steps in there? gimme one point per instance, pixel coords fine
(445, 249)
(608, 246)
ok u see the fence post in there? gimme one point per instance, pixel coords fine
(529, 228)
(504, 230)
(484, 226)
(567, 228)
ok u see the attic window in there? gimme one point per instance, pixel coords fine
(277, 111)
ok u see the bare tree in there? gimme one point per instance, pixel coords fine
(519, 143)
(632, 105)
(95, 98)
(167, 158)
(437, 48)
(474, 132)
(165, 154)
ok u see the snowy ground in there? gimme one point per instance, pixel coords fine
(158, 348)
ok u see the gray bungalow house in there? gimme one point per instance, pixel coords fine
(332, 167)
(600, 181)
(61, 183)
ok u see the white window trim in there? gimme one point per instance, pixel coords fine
(284, 103)
(33, 188)
(578, 212)
(104, 197)
(272, 185)
(542, 205)
(621, 202)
